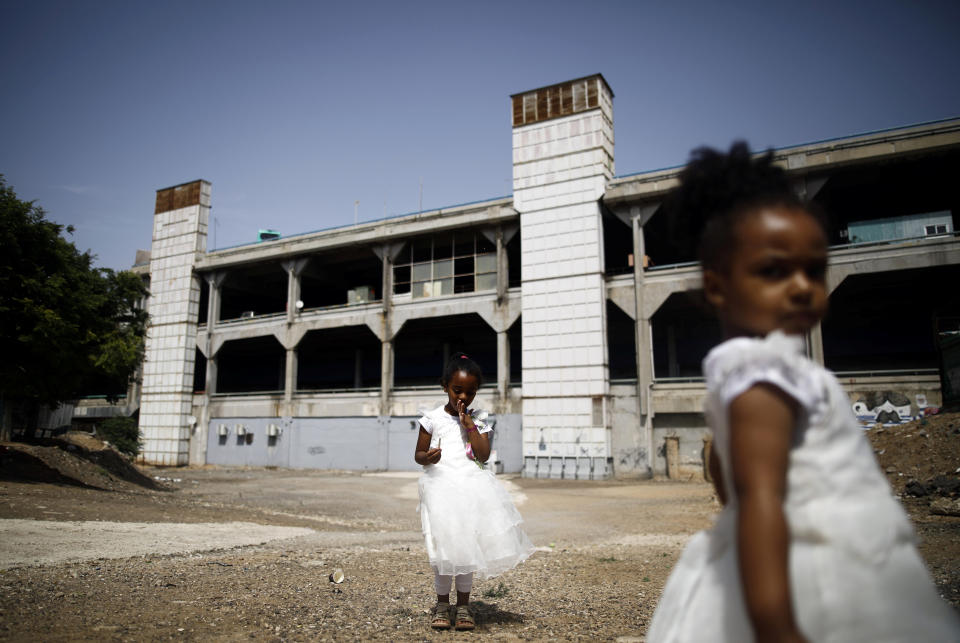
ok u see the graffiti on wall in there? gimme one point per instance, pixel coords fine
(886, 407)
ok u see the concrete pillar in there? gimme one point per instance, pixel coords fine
(214, 281)
(290, 375)
(387, 253)
(503, 364)
(643, 340)
(293, 268)
(816, 343)
(179, 236)
(562, 160)
(503, 271)
(386, 376)
(198, 447)
(210, 385)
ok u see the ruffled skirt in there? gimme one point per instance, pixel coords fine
(470, 523)
(839, 594)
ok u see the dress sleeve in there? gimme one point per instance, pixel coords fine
(427, 423)
(736, 365)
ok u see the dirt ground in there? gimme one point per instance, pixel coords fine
(245, 554)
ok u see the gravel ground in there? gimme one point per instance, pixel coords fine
(605, 549)
(204, 573)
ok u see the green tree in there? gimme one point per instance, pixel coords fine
(64, 324)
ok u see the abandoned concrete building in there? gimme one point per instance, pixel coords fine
(577, 295)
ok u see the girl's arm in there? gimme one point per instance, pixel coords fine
(424, 454)
(762, 422)
(479, 442)
(716, 476)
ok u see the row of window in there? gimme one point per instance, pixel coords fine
(446, 264)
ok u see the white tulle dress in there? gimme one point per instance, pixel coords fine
(470, 524)
(855, 573)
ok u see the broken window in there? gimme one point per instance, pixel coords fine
(458, 262)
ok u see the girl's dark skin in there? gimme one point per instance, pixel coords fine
(461, 388)
(776, 280)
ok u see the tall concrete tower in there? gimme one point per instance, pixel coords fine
(562, 161)
(179, 233)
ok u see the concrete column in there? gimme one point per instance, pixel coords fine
(214, 281)
(562, 161)
(293, 268)
(643, 340)
(290, 375)
(211, 378)
(386, 376)
(503, 364)
(180, 223)
(387, 253)
(816, 343)
(503, 272)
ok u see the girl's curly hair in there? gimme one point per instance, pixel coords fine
(460, 362)
(717, 189)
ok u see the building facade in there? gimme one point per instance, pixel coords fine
(577, 295)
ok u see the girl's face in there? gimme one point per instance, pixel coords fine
(776, 276)
(461, 387)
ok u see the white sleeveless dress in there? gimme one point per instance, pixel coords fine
(855, 573)
(470, 524)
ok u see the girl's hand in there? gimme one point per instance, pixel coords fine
(423, 454)
(466, 420)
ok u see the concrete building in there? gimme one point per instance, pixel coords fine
(577, 295)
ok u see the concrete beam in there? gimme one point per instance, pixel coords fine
(817, 157)
(620, 291)
(373, 233)
(921, 253)
(499, 318)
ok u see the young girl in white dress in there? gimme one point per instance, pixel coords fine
(810, 544)
(470, 524)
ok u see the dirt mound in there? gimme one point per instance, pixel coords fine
(921, 458)
(75, 459)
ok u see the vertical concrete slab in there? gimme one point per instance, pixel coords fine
(179, 233)
(562, 160)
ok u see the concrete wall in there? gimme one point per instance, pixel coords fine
(628, 439)
(347, 443)
(689, 429)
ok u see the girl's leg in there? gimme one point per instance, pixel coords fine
(464, 585)
(464, 620)
(442, 585)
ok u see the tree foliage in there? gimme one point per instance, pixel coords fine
(65, 326)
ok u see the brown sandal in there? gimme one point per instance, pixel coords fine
(464, 618)
(441, 616)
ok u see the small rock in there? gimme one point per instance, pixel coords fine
(891, 469)
(945, 507)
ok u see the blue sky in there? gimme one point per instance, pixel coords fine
(295, 110)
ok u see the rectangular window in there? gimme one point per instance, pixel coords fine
(486, 263)
(445, 264)
(939, 228)
(487, 281)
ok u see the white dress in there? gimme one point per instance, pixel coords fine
(855, 573)
(470, 524)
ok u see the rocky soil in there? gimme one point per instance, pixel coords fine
(605, 550)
